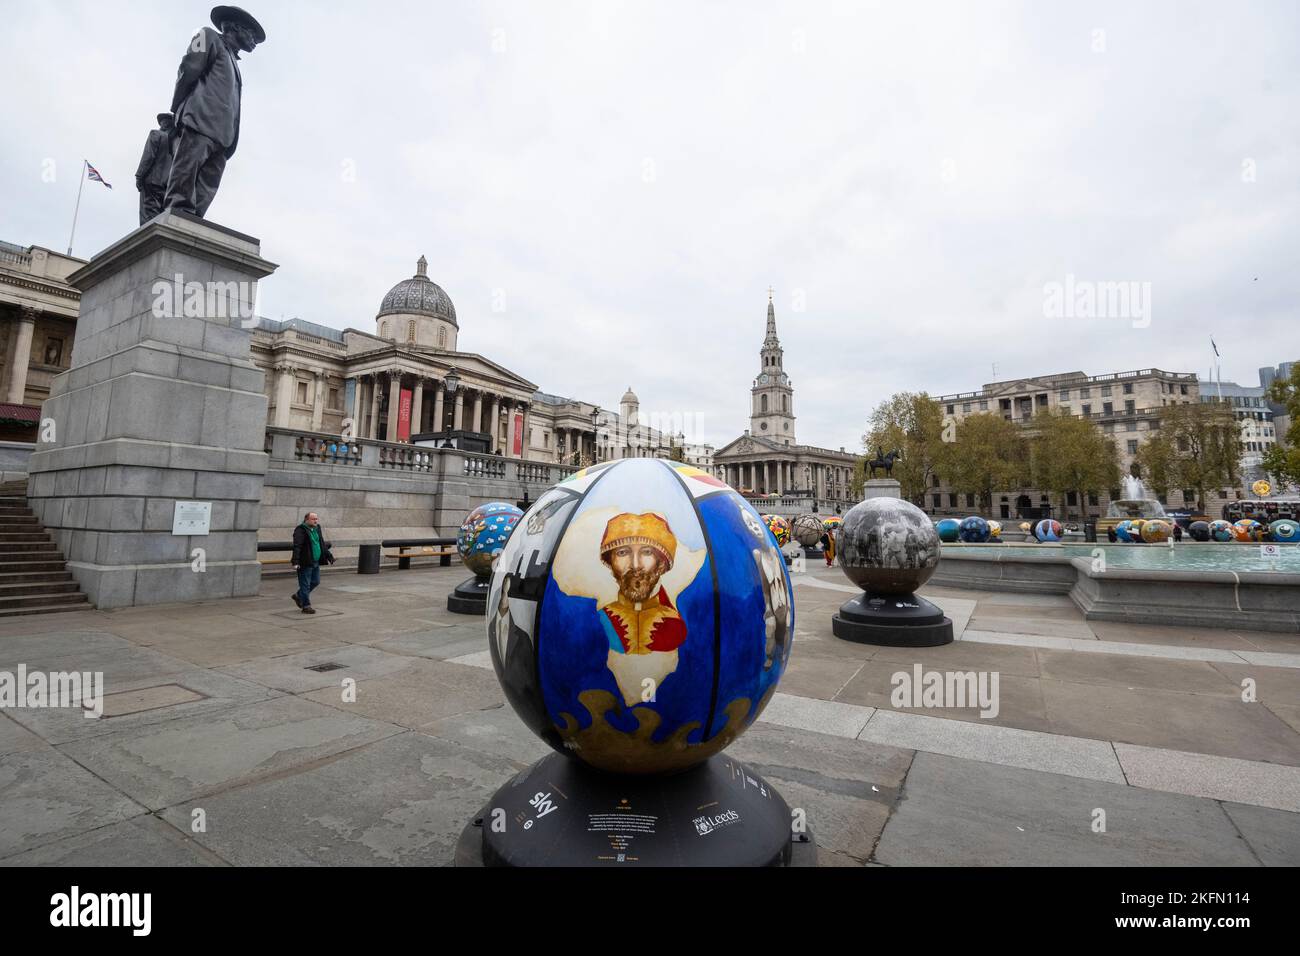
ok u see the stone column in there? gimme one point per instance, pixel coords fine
(22, 356)
(417, 406)
(458, 414)
(494, 422)
(318, 404)
(438, 414)
(283, 394)
(356, 405)
(394, 396)
(509, 450)
(528, 431)
(372, 427)
(477, 423)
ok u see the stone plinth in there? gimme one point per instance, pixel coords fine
(881, 488)
(162, 404)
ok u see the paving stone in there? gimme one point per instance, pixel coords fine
(1019, 699)
(162, 764)
(37, 648)
(1274, 835)
(140, 841)
(290, 673)
(965, 655)
(1273, 685)
(820, 677)
(403, 800)
(420, 694)
(15, 738)
(45, 796)
(963, 813)
(1190, 677)
(1219, 778)
(496, 730)
(821, 716)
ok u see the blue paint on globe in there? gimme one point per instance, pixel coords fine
(640, 616)
(973, 530)
(1285, 530)
(948, 529)
(1121, 532)
(1048, 530)
(484, 533)
(1221, 530)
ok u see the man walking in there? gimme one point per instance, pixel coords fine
(310, 551)
(155, 166)
(206, 105)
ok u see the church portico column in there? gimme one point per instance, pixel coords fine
(318, 400)
(458, 414)
(509, 450)
(394, 398)
(355, 411)
(438, 414)
(477, 422)
(494, 422)
(283, 394)
(372, 426)
(417, 406)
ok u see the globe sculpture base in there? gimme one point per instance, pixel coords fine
(893, 621)
(470, 596)
(560, 812)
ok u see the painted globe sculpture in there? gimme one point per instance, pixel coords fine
(483, 534)
(1261, 488)
(807, 530)
(1122, 531)
(1284, 529)
(1221, 530)
(888, 546)
(1048, 530)
(779, 527)
(948, 529)
(1026, 527)
(1156, 531)
(1199, 530)
(973, 530)
(1248, 529)
(640, 616)
(832, 523)
(995, 530)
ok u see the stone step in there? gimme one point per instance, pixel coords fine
(12, 511)
(18, 521)
(38, 534)
(24, 588)
(39, 563)
(57, 573)
(41, 600)
(13, 550)
(74, 602)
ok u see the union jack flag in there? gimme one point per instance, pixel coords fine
(93, 173)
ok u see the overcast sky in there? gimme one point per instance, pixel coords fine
(627, 179)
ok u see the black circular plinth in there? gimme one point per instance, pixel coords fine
(892, 620)
(470, 596)
(559, 812)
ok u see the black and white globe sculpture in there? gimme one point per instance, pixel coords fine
(889, 548)
(639, 619)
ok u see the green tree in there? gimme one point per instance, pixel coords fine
(986, 455)
(1199, 446)
(1283, 460)
(1067, 453)
(912, 424)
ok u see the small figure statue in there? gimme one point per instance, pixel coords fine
(206, 105)
(155, 166)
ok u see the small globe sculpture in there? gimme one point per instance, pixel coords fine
(995, 530)
(1026, 527)
(1048, 530)
(1122, 531)
(1248, 529)
(1261, 488)
(482, 536)
(1135, 530)
(1284, 529)
(1199, 530)
(1221, 530)
(889, 548)
(1156, 531)
(973, 530)
(779, 527)
(640, 619)
(948, 529)
(807, 530)
(832, 523)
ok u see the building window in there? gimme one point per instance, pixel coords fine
(1132, 446)
(383, 330)
(1128, 407)
(984, 406)
(410, 331)
(785, 403)
(1071, 499)
(763, 404)
(1105, 390)
(1130, 426)
(1005, 404)
(1128, 388)
(1087, 409)
(1085, 393)
(1065, 395)
(970, 501)
(965, 408)
(950, 409)
(952, 501)
(1092, 498)
(936, 499)
(1182, 389)
(1108, 408)
(442, 337)
(334, 398)
(302, 393)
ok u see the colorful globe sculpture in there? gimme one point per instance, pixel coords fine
(947, 529)
(973, 530)
(1048, 530)
(1199, 530)
(484, 533)
(995, 530)
(889, 546)
(1261, 488)
(1121, 531)
(1026, 527)
(1221, 530)
(833, 522)
(1156, 531)
(1248, 529)
(640, 616)
(807, 530)
(779, 527)
(1284, 529)
(1135, 529)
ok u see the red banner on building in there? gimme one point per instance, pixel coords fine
(404, 415)
(519, 435)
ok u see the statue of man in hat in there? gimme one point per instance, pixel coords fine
(206, 106)
(155, 166)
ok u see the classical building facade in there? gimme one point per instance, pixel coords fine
(768, 459)
(38, 317)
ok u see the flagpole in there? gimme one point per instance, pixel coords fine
(76, 209)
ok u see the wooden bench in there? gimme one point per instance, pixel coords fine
(403, 555)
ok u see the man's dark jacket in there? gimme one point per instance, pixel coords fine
(302, 548)
(156, 161)
(208, 86)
